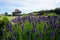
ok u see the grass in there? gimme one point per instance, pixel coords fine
(9, 17)
(50, 14)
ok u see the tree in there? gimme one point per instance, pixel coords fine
(6, 13)
(57, 11)
(41, 12)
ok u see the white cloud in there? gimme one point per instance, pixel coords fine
(31, 5)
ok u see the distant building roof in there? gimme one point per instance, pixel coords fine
(16, 10)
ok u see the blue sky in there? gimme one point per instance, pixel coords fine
(27, 6)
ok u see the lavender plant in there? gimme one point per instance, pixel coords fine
(33, 28)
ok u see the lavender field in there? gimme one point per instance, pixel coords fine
(30, 28)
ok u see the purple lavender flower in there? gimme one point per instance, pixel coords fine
(32, 23)
(10, 38)
(53, 28)
(19, 18)
(14, 38)
(3, 31)
(22, 27)
(38, 20)
(49, 18)
(43, 18)
(34, 26)
(23, 19)
(9, 27)
(41, 35)
(45, 27)
(15, 34)
(50, 22)
(34, 29)
(14, 20)
(52, 34)
(28, 34)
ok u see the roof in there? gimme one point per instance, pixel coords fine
(17, 10)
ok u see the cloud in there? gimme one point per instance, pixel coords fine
(30, 5)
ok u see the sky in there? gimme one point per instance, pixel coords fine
(27, 6)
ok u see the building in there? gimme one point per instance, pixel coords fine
(16, 12)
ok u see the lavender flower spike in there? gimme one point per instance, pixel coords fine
(22, 27)
(52, 34)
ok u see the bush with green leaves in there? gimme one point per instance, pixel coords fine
(3, 24)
